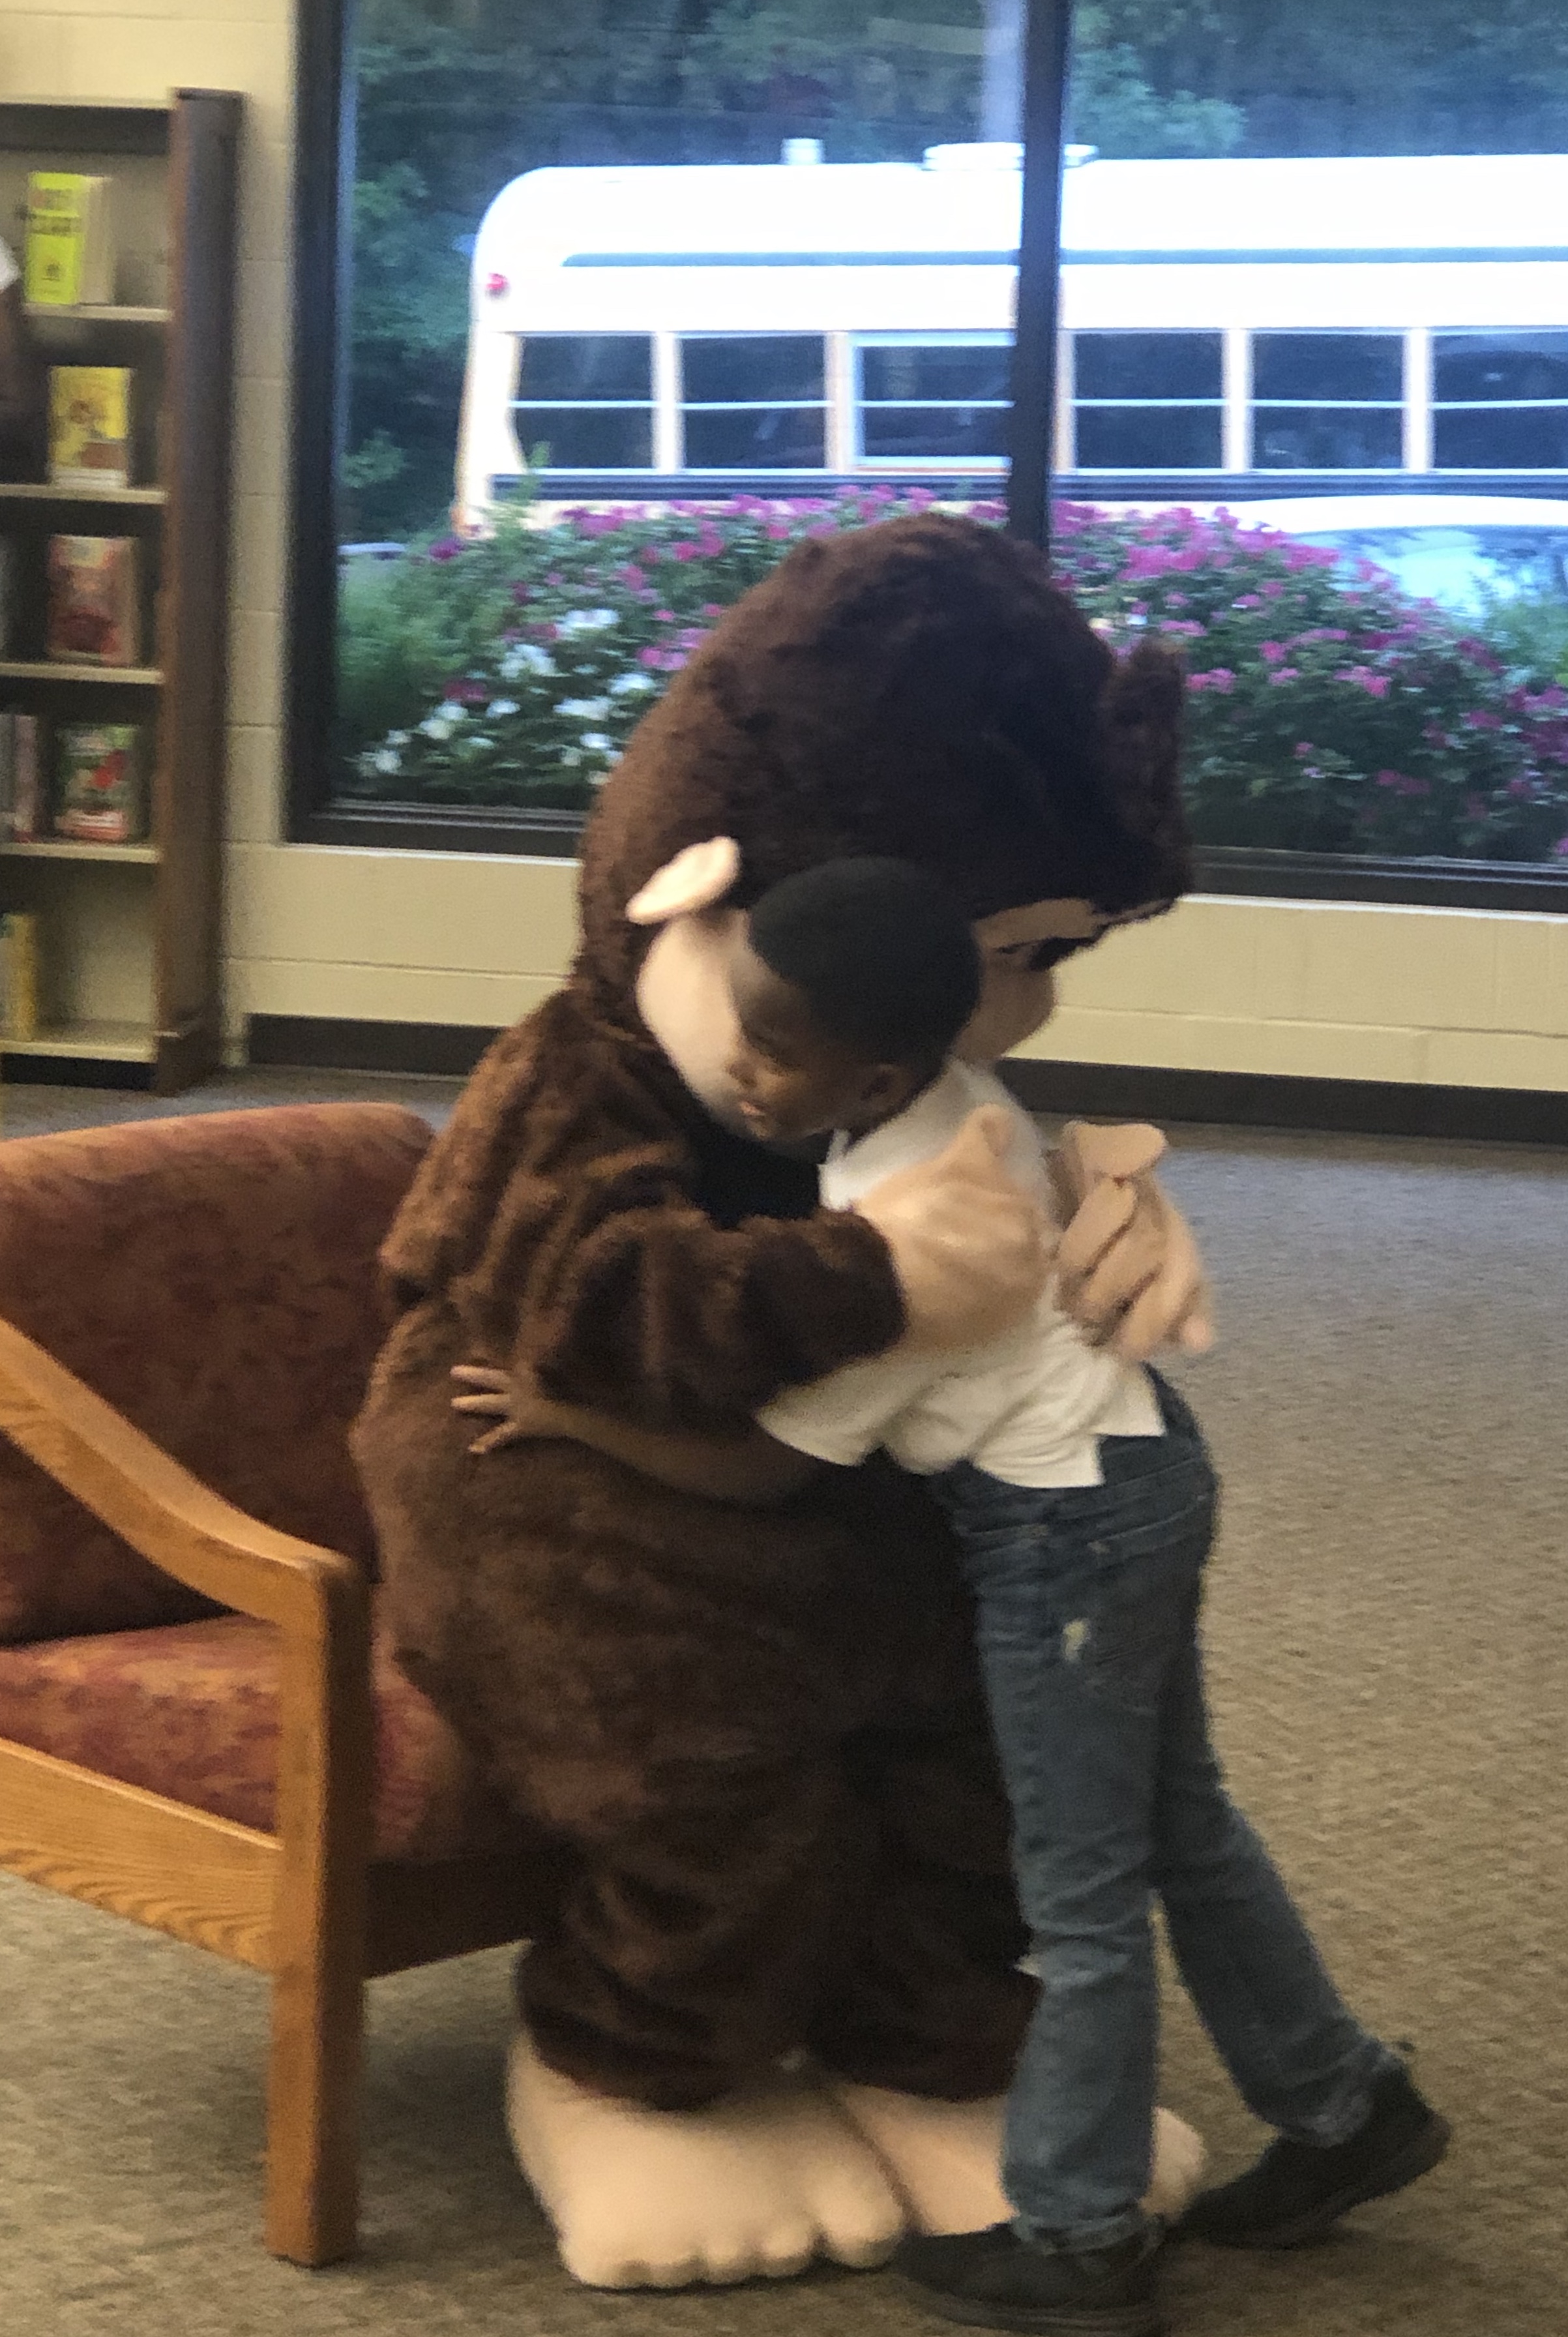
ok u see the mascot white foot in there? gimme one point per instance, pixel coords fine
(945, 2157)
(755, 2187)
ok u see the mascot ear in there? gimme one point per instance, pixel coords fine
(694, 879)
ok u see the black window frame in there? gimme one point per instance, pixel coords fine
(323, 213)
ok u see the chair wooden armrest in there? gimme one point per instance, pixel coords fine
(320, 1602)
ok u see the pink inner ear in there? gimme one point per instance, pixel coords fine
(694, 879)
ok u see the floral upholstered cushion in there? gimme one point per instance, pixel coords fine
(214, 1278)
(190, 1710)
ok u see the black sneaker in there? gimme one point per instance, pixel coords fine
(994, 2280)
(1297, 2189)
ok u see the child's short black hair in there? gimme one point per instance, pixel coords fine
(882, 952)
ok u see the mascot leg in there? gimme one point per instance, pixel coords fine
(648, 2100)
(758, 2185)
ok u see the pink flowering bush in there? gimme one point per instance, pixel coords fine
(1326, 714)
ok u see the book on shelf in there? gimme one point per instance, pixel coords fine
(93, 615)
(101, 782)
(9, 549)
(69, 256)
(19, 974)
(21, 778)
(90, 426)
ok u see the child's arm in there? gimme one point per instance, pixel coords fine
(749, 1467)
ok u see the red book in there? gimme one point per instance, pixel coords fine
(95, 612)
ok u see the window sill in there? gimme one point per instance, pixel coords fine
(1523, 887)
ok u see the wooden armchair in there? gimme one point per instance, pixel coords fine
(199, 1727)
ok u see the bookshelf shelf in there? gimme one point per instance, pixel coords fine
(129, 968)
(100, 1040)
(138, 855)
(39, 490)
(138, 677)
(43, 312)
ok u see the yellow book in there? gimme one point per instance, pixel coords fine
(19, 974)
(90, 426)
(69, 261)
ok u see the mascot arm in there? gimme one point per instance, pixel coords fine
(654, 1312)
(1128, 1269)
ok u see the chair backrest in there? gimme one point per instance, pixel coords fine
(213, 1277)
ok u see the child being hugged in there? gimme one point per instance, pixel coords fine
(1082, 1500)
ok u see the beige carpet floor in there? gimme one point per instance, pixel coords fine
(1389, 1664)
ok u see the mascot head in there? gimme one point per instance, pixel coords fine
(917, 689)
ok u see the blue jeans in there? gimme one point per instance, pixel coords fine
(1087, 1603)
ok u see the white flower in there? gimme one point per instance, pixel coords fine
(526, 657)
(444, 720)
(633, 685)
(397, 737)
(584, 709)
(570, 758)
(499, 706)
(588, 620)
(386, 760)
(596, 743)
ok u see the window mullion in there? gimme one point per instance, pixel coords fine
(1237, 390)
(1418, 398)
(841, 442)
(668, 454)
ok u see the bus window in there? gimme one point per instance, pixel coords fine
(1327, 401)
(754, 401)
(1148, 401)
(588, 398)
(932, 401)
(1500, 401)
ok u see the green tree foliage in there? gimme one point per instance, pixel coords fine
(1357, 76)
(457, 96)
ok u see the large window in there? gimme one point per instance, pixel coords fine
(585, 400)
(1327, 401)
(932, 401)
(1500, 402)
(753, 401)
(635, 295)
(1147, 401)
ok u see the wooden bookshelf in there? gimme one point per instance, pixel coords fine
(129, 935)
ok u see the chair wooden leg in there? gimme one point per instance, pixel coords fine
(313, 2111)
(319, 1939)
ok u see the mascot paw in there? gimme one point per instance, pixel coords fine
(945, 2157)
(755, 2186)
(1181, 2162)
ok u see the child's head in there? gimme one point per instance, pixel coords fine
(850, 982)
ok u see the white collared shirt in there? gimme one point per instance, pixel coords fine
(1028, 1407)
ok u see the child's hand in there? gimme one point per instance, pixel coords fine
(513, 1401)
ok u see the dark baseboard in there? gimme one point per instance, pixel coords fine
(323, 1042)
(1087, 1091)
(1261, 1100)
(76, 1071)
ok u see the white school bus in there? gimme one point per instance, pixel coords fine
(1228, 327)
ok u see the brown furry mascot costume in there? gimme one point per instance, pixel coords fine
(775, 1993)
